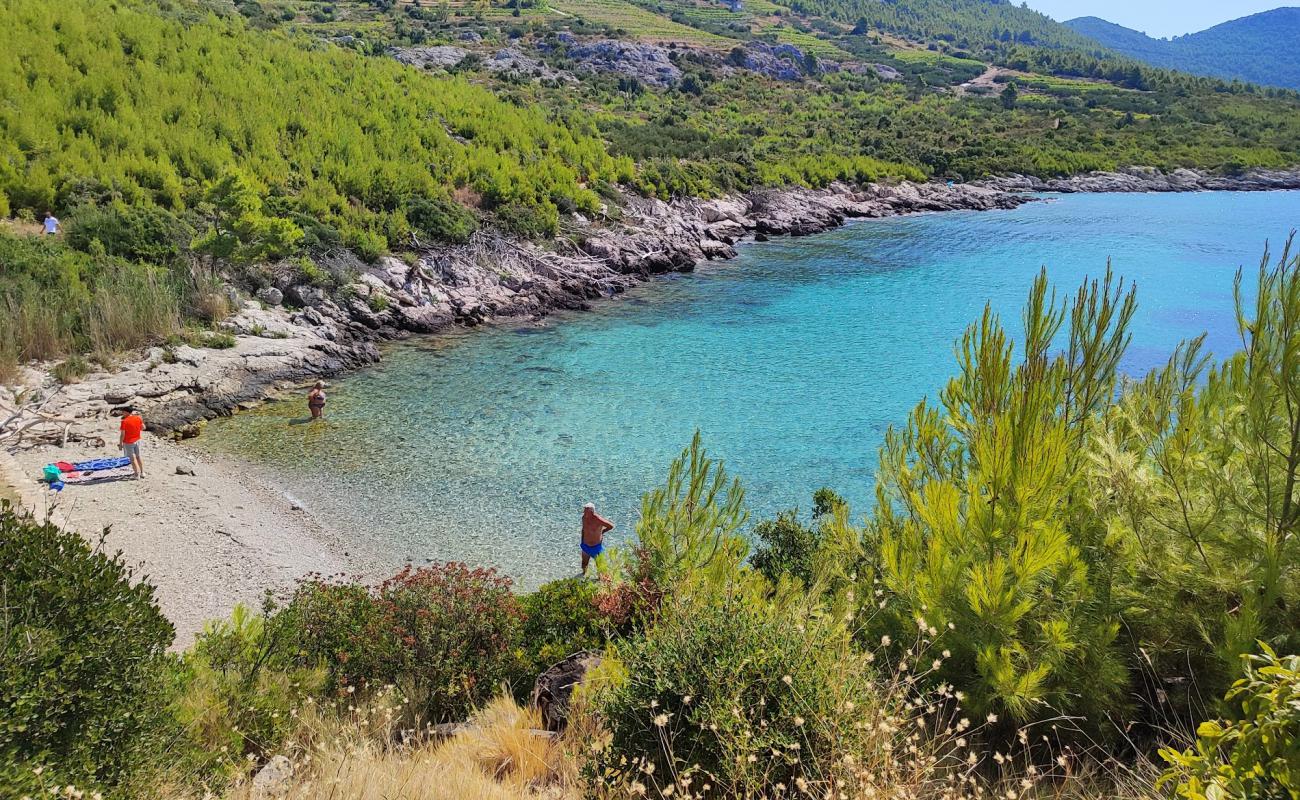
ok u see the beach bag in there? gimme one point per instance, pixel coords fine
(52, 474)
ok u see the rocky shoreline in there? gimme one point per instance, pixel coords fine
(294, 333)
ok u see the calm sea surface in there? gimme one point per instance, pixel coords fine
(792, 360)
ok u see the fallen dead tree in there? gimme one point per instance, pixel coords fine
(26, 425)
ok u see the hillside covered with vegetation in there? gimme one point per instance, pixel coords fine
(183, 141)
(1070, 583)
(1256, 48)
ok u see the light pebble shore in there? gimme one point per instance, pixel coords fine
(226, 536)
(207, 541)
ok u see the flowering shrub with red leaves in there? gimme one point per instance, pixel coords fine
(455, 629)
(630, 602)
(445, 634)
(337, 623)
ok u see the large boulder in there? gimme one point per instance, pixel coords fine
(304, 296)
(424, 319)
(270, 295)
(554, 688)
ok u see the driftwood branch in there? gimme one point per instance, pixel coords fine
(29, 424)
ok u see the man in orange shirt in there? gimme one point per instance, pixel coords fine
(129, 441)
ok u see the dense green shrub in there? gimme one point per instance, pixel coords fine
(136, 233)
(787, 546)
(446, 635)
(559, 619)
(239, 692)
(441, 219)
(736, 694)
(83, 666)
(239, 229)
(528, 222)
(337, 624)
(1256, 753)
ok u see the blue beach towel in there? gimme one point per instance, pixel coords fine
(58, 474)
(101, 464)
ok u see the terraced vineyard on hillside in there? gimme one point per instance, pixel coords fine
(638, 22)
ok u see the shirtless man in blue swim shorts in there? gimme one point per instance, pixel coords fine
(594, 528)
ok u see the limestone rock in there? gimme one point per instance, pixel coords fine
(554, 688)
(513, 61)
(304, 296)
(424, 319)
(436, 57)
(783, 62)
(270, 295)
(648, 63)
(274, 778)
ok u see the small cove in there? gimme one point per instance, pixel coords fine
(792, 360)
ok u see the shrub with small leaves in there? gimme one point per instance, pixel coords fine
(337, 624)
(742, 695)
(788, 546)
(1255, 755)
(559, 619)
(446, 635)
(83, 663)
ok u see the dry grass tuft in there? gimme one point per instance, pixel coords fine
(355, 756)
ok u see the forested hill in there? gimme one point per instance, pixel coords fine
(110, 100)
(519, 113)
(1259, 48)
(188, 142)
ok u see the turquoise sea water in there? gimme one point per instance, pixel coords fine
(792, 360)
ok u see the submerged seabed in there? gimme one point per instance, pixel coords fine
(792, 360)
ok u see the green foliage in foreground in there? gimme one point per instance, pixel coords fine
(718, 680)
(445, 635)
(115, 100)
(236, 693)
(788, 547)
(1050, 545)
(977, 526)
(83, 695)
(1087, 542)
(1256, 752)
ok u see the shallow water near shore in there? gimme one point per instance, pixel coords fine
(792, 360)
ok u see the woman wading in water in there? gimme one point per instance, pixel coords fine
(316, 400)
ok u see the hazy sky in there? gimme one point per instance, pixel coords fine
(1157, 17)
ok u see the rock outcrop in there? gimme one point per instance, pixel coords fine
(320, 334)
(437, 57)
(553, 689)
(782, 62)
(647, 63)
(508, 60)
(1148, 179)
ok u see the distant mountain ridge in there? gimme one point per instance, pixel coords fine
(1259, 48)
